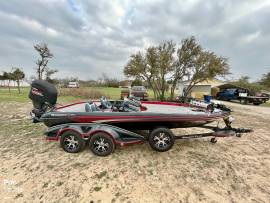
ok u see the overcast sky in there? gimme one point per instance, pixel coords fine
(88, 37)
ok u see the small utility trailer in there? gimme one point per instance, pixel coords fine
(253, 100)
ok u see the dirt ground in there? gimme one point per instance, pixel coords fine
(232, 170)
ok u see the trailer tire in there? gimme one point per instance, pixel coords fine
(243, 101)
(101, 144)
(161, 139)
(72, 142)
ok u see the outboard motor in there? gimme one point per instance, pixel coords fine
(44, 96)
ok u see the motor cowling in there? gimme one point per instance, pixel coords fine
(43, 95)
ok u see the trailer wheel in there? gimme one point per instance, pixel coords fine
(161, 139)
(72, 142)
(242, 101)
(101, 144)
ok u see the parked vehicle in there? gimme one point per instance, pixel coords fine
(73, 85)
(242, 95)
(106, 124)
(139, 92)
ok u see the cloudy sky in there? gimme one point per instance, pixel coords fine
(88, 37)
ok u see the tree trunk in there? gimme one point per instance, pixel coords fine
(151, 86)
(186, 92)
(18, 85)
(188, 89)
(39, 73)
(9, 86)
(163, 87)
(172, 90)
(156, 88)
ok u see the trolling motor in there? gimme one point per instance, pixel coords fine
(44, 96)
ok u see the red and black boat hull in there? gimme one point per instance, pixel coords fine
(132, 120)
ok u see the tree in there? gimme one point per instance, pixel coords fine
(243, 82)
(195, 65)
(45, 55)
(166, 65)
(8, 76)
(162, 65)
(137, 82)
(253, 87)
(265, 81)
(49, 73)
(206, 66)
(153, 67)
(17, 75)
(109, 82)
(186, 56)
(138, 67)
(2, 78)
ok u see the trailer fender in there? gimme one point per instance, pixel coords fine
(114, 135)
(119, 136)
(54, 133)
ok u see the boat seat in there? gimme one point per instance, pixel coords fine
(91, 107)
(104, 103)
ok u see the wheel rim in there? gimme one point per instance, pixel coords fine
(71, 142)
(101, 145)
(162, 140)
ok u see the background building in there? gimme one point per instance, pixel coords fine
(208, 87)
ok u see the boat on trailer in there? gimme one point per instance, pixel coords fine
(105, 124)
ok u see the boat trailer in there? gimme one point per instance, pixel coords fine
(102, 139)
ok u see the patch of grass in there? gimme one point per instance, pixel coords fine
(45, 185)
(266, 104)
(97, 188)
(102, 174)
(89, 93)
(78, 164)
(136, 161)
(19, 195)
(150, 171)
(50, 166)
(149, 164)
(113, 200)
(110, 92)
(14, 95)
(69, 95)
(59, 183)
